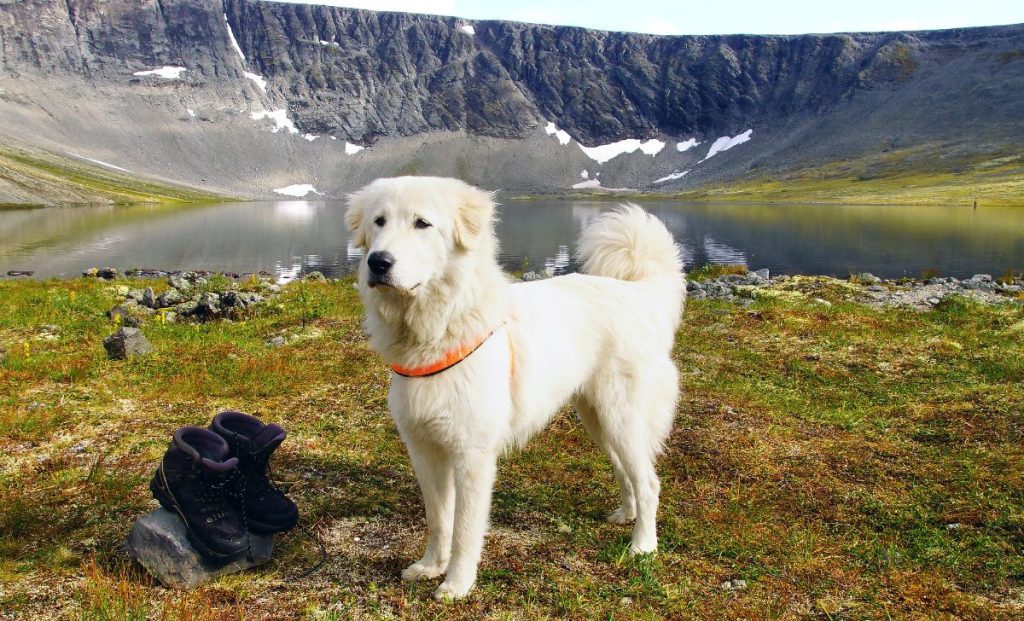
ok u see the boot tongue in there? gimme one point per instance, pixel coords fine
(268, 438)
(219, 466)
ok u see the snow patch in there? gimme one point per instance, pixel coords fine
(585, 174)
(671, 177)
(352, 149)
(562, 135)
(191, 112)
(686, 145)
(100, 162)
(165, 72)
(279, 117)
(258, 79)
(234, 42)
(466, 28)
(726, 142)
(603, 153)
(310, 137)
(329, 43)
(298, 190)
(592, 183)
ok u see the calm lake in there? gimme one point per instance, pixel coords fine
(289, 238)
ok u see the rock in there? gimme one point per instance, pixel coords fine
(982, 278)
(277, 341)
(274, 288)
(136, 294)
(20, 273)
(122, 315)
(933, 301)
(867, 278)
(122, 291)
(314, 277)
(179, 283)
(106, 273)
(187, 308)
(823, 302)
(159, 542)
(531, 276)
(208, 305)
(878, 288)
(763, 273)
(127, 342)
(171, 297)
(148, 298)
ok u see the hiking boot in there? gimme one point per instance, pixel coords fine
(192, 481)
(265, 508)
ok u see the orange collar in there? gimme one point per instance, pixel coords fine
(450, 358)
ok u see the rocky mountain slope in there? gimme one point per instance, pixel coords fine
(243, 97)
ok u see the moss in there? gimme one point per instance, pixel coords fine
(60, 180)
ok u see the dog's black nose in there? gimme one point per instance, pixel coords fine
(380, 262)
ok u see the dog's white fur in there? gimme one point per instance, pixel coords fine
(601, 340)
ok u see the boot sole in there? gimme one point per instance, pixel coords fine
(168, 502)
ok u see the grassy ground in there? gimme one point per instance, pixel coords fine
(926, 175)
(41, 178)
(847, 463)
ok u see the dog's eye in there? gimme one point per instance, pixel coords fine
(422, 224)
(380, 221)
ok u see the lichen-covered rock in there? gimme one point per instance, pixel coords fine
(171, 297)
(127, 342)
(159, 542)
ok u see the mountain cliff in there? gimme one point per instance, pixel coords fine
(243, 97)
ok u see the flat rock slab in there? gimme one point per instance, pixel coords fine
(159, 543)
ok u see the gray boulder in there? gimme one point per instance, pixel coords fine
(179, 283)
(187, 308)
(171, 297)
(127, 342)
(159, 542)
(148, 298)
(208, 304)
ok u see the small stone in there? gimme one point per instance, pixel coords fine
(121, 290)
(136, 294)
(823, 302)
(107, 273)
(277, 341)
(934, 301)
(626, 601)
(763, 273)
(49, 327)
(148, 298)
(171, 297)
(20, 273)
(531, 276)
(314, 276)
(274, 288)
(739, 584)
(159, 542)
(877, 288)
(127, 342)
(953, 526)
(867, 277)
(982, 278)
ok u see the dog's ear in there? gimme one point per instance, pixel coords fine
(354, 218)
(473, 218)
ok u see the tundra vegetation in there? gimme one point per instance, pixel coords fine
(830, 461)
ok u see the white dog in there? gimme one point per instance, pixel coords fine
(481, 364)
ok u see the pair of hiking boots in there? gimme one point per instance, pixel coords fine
(218, 481)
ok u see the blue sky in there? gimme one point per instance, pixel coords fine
(721, 16)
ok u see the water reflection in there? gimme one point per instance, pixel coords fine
(290, 238)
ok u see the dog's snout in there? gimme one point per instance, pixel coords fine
(380, 262)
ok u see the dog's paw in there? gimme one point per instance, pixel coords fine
(644, 547)
(621, 515)
(449, 590)
(423, 571)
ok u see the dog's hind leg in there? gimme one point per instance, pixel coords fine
(474, 481)
(626, 511)
(635, 411)
(434, 473)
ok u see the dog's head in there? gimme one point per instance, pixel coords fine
(410, 229)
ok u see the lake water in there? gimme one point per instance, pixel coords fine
(289, 238)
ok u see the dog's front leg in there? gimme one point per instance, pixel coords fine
(474, 480)
(433, 467)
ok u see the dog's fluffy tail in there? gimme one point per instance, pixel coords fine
(629, 244)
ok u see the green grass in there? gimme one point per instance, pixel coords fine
(911, 176)
(847, 462)
(47, 178)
